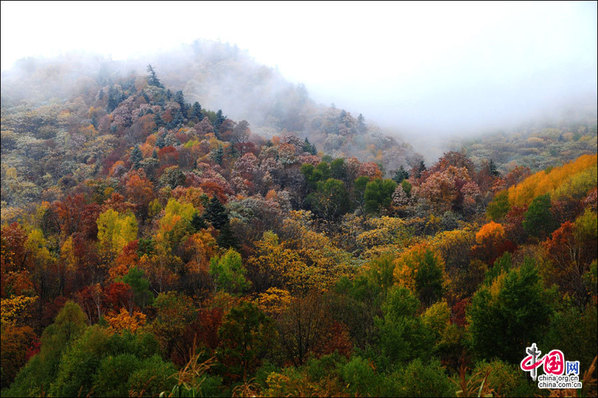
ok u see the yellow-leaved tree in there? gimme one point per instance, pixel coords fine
(550, 181)
(115, 230)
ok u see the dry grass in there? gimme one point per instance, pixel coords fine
(588, 389)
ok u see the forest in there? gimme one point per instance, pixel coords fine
(151, 246)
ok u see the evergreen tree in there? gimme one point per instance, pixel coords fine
(198, 222)
(115, 97)
(220, 118)
(136, 156)
(159, 121)
(177, 121)
(538, 220)
(308, 147)
(196, 111)
(152, 79)
(492, 169)
(216, 213)
(218, 154)
(400, 175)
(361, 127)
(160, 141)
(226, 237)
(511, 313)
(140, 287)
(180, 99)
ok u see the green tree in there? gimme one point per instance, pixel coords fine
(174, 312)
(510, 314)
(196, 111)
(228, 272)
(172, 177)
(429, 279)
(309, 147)
(499, 207)
(402, 336)
(180, 99)
(152, 79)
(359, 190)
(573, 331)
(37, 375)
(79, 364)
(246, 335)
(153, 376)
(331, 199)
(406, 185)
(140, 286)
(378, 194)
(217, 155)
(400, 175)
(218, 120)
(338, 169)
(422, 379)
(360, 377)
(112, 376)
(136, 156)
(216, 213)
(538, 220)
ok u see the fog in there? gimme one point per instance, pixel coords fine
(423, 71)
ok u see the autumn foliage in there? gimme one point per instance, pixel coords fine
(145, 237)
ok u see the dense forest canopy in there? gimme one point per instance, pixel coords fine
(153, 243)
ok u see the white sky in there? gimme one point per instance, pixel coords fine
(376, 57)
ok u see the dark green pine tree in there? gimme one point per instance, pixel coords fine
(160, 141)
(198, 222)
(196, 111)
(220, 118)
(492, 169)
(361, 127)
(159, 121)
(400, 175)
(226, 237)
(136, 157)
(308, 147)
(152, 79)
(233, 152)
(180, 99)
(218, 154)
(177, 121)
(115, 97)
(216, 213)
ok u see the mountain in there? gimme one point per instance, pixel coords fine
(218, 76)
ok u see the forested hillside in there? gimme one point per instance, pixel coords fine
(217, 76)
(537, 148)
(152, 244)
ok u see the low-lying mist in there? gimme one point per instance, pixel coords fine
(426, 111)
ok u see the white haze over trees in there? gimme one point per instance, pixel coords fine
(421, 70)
